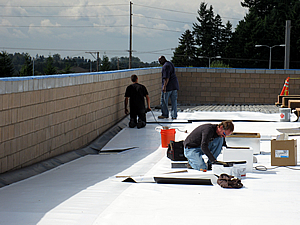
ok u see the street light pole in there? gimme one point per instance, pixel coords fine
(270, 58)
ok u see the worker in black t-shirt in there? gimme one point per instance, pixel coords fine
(136, 93)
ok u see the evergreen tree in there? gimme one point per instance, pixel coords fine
(211, 36)
(6, 66)
(265, 25)
(242, 43)
(105, 65)
(218, 28)
(204, 31)
(226, 37)
(50, 69)
(184, 54)
(67, 69)
(27, 67)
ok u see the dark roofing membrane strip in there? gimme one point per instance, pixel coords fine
(95, 147)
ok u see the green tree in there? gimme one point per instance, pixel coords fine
(242, 43)
(184, 54)
(105, 64)
(219, 64)
(6, 66)
(265, 25)
(50, 69)
(204, 31)
(27, 67)
(211, 36)
(67, 69)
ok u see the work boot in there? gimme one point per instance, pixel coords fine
(132, 124)
(162, 117)
(141, 124)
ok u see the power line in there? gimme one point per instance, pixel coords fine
(60, 26)
(170, 10)
(9, 16)
(56, 6)
(63, 50)
(156, 51)
(151, 28)
(83, 26)
(155, 18)
(56, 16)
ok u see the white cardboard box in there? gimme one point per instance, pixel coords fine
(239, 154)
(237, 139)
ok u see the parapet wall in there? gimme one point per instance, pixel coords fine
(44, 116)
(234, 86)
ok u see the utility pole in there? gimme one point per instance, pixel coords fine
(32, 66)
(92, 53)
(130, 34)
(287, 44)
(97, 61)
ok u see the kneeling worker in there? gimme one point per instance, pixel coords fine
(136, 93)
(206, 139)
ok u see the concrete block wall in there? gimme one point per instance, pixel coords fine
(45, 116)
(234, 86)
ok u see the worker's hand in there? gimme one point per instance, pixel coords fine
(126, 111)
(148, 109)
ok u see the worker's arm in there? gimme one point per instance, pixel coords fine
(165, 85)
(206, 138)
(148, 103)
(126, 105)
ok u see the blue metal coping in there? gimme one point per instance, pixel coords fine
(117, 71)
(71, 74)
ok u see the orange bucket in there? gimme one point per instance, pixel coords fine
(167, 136)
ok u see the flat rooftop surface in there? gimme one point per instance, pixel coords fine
(90, 190)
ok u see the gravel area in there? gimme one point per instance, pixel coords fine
(229, 108)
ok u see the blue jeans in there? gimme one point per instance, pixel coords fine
(194, 155)
(164, 103)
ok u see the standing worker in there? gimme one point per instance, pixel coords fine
(169, 88)
(136, 94)
(206, 139)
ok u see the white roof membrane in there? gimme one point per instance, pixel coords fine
(90, 190)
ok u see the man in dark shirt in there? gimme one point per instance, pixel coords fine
(206, 139)
(136, 94)
(169, 88)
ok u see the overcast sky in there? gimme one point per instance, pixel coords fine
(74, 27)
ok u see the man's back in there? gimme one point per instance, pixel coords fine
(136, 93)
